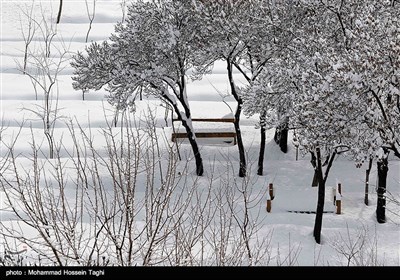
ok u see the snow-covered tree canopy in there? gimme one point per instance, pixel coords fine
(340, 76)
(151, 51)
(248, 34)
(371, 69)
(268, 92)
(332, 66)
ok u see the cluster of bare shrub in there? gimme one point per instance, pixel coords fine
(133, 202)
(130, 203)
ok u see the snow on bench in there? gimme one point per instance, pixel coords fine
(208, 128)
(301, 200)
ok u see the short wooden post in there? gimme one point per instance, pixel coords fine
(339, 205)
(339, 199)
(270, 197)
(269, 205)
(334, 195)
(366, 189)
(271, 191)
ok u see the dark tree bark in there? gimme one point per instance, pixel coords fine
(284, 136)
(189, 129)
(195, 149)
(194, 145)
(321, 192)
(321, 197)
(367, 173)
(260, 168)
(189, 133)
(281, 135)
(242, 155)
(277, 135)
(383, 169)
(314, 164)
(59, 11)
(315, 179)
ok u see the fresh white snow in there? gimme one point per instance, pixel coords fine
(288, 223)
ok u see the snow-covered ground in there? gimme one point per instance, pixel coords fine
(291, 220)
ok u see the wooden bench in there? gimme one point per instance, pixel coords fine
(207, 133)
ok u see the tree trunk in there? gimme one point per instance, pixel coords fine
(190, 135)
(276, 135)
(321, 178)
(197, 155)
(187, 121)
(284, 129)
(242, 155)
(59, 12)
(382, 165)
(195, 149)
(262, 146)
(321, 198)
(314, 164)
(315, 179)
(367, 172)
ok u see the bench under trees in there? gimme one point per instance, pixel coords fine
(210, 130)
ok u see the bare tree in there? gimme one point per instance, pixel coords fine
(59, 11)
(43, 70)
(123, 7)
(357, 249)
(131, 203)
(90, 16)
(291, 257)
(28, 33)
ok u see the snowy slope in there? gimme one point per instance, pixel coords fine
(290, 222)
